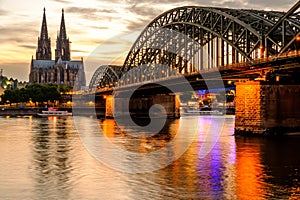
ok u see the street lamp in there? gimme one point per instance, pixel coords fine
(262, 51)
(297, 43)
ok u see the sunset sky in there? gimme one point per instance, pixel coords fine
(105, 29)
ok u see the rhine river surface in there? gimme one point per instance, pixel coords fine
(45, 158)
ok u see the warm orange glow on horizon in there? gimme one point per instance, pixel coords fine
(89, 24)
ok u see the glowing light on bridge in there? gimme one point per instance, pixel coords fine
(226, 38)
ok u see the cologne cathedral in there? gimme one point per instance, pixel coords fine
(62, 70)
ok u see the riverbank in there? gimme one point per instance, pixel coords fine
(19, 111)
(31, 111)
(83, 111)
(27, 111)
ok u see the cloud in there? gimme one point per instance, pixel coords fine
(245, 4)
(63, 1)
(80, 10)
(156, 2)
(27, 46)
(20, 29)
(137, 25)
(18, 33)
(3, 12)
(79, 51)
(92, 14)
(145, 12)
(89, 41)
(230, 4)
(275, 4)
(16, 28)
(99, 27)
(20, 69)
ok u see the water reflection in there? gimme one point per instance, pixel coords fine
(249, 173)
(43, 158)
(268, 167)
(130, 157)
(189, 176)
(235, 168)
(51, 157)
(119, 136)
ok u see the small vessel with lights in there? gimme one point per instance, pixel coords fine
(54, 112)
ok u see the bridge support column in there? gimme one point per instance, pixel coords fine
(263, 109)
(139, 105)
(171, 104)
(100, 106)
(109, 106)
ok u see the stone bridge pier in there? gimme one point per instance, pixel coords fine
(139, 105)
(264, 109)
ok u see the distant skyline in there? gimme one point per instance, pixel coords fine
(90, 24)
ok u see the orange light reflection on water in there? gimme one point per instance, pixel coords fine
(54, 118)
(108, 127)
(249, 171)
(240, 164)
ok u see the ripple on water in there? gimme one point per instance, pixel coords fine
(44, 158)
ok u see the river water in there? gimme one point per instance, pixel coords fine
(46, 158)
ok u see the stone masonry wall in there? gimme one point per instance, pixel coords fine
(139, 106)
(281, 105)
(267, 109)
(248, 107)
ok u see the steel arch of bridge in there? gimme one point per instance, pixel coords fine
(105, 76)
(228, 36)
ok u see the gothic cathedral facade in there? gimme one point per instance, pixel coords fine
(62, 70)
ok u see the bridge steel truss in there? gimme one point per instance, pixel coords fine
(227, 36)
(105, 76)
(222, 36)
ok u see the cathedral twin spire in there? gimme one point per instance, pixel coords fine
(62, 43)
(44, 43)
(44, 31)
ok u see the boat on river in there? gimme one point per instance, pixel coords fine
(54, 112)
(203, 111)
